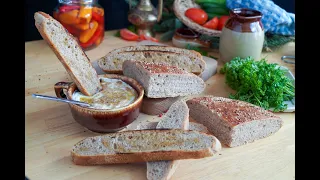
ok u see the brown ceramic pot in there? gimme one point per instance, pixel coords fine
(101, 120)
(184, 36)
(242, 35)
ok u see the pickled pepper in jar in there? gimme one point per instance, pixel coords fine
(84, 19)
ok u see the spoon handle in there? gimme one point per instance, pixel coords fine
(60, 99)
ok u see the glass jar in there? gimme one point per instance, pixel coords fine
(84, 19)
(242, 35)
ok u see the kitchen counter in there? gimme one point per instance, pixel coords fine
(51, 131)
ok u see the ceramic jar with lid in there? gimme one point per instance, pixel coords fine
(242, 35)
(84, 19)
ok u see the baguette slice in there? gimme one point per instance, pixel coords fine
(69, 52)
(194, 126)
(233, 122)
(188, 60)
(177, 117)
(144, 146)
(161, 80)
(159, 170)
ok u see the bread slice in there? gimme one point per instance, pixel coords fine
(194, 126)
(160, 80)
(157, 106)
(143, 146)
(177, 117)
(160, 170)
(69, 52)
(233, 122)
(188, 60)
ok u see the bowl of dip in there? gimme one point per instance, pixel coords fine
(113, 108)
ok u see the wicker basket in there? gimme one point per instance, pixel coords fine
(179, 8)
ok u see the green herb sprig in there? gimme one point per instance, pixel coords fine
(258, 82)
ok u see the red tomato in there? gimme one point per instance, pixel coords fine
(128, 35)
(144, 37)
(222, 22)
(197, 15)
(212, 24)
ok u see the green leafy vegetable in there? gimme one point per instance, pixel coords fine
(202, 52)
(117, 34)
(259, 83)
(132, 28)
(167, 36)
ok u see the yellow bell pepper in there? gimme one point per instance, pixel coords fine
(87, 34)
(85, 14)
(82, 26)
(70, 17)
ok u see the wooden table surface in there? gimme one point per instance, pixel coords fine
(51, 131)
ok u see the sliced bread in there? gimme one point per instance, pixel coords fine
(177, 117)
(157, 106)
(143, 146)
(161, 80)
(233, 122)
(188, 60)
(194, 126)
(159, 170)
(69, 52)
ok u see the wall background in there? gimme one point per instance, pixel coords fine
(115, 13)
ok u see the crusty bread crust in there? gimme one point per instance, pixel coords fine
(231, 109)
(151, 76)
(117, 158)
(148, 50)
(40, 18)
(233, 122)
(140, 157)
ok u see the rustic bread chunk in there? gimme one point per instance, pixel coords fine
(233, 122)
(161, 80)
(188, 60)
(144, 146)
(69, 52)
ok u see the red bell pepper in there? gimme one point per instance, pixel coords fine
(66, 8)
(145, 37)
(97, 17)
(94, 38)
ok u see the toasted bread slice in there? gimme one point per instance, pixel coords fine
(187, 60)
(144, 146)
(162, 80)
(69, 52)
(233, 122)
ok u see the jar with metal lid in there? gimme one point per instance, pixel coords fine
(84, 19)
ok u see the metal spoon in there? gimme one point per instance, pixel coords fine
(60, 100)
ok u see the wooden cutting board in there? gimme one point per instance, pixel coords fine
(51, 131)
(152, 106)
